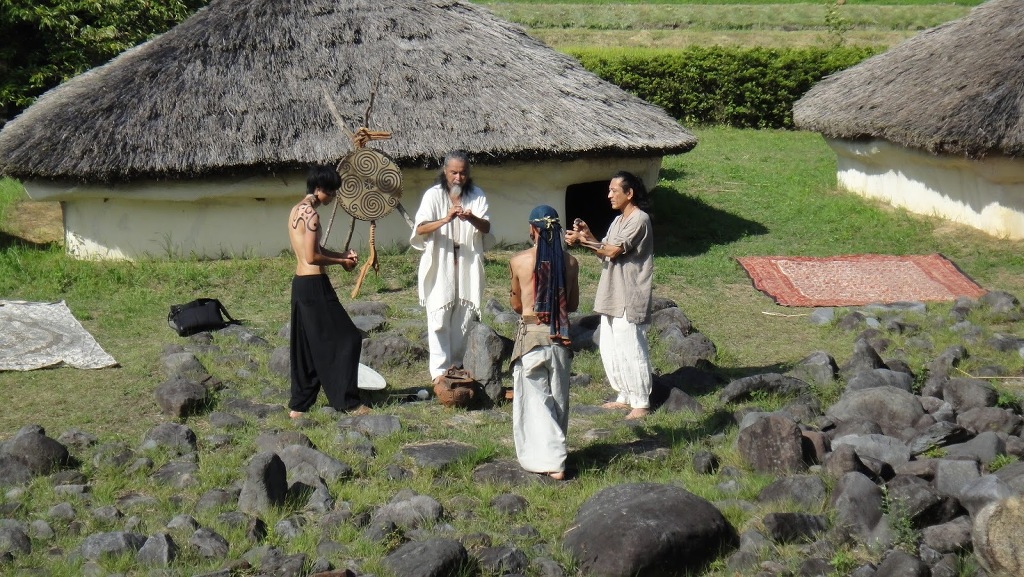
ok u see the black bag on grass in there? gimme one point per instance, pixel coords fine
(198, 316)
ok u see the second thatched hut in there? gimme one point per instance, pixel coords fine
(935, 124)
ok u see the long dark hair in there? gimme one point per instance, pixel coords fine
(630, 181)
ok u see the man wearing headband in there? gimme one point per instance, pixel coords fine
(624, 293)
(324, 342)
(545, 289)
(451, 223)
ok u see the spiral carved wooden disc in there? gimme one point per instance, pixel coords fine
(371, 184)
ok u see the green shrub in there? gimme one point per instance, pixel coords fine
(738, 87)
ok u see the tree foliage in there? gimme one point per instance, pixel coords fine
(48, 41)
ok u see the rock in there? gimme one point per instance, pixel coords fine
(280, 362)
(327, 467)
(794, 527)
(14, 471)
(977, 494)
(995, 419)
(372, 425)
(41, 454)
(950, 537)
(185, 366)
(692, 350)
(880, 378)
(509, 504)
(265, 485)
(952, 475)
(864, 358)
(671, 317)
(158, 551)
(436, 557)
(274, 441)
(770, 383)
(410, 513)
(390, 349)
(437, 454)
(995, 533)
(115, 543)
(502, 561)
(178, 474)
(176, 438)
(899, 564)
(485, 352)
(208, 544)
(938, 435)
(915, 498)
(808, 491)
(668, 528)
(772, 444)
(180, 397)
(892, 409)
(966, 393)
(884, 448)
(858, 505)
(509, 473)
(818, 367)
(983, 448)
(14, 539)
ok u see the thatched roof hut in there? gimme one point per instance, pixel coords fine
(232, 100)
(935, 124)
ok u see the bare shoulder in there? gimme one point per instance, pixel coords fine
(521, 258)
(303, 214)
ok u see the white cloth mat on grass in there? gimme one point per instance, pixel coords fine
(39, 335)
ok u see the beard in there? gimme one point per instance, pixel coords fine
(455, 189)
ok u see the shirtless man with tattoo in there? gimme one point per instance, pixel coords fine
(324, 344)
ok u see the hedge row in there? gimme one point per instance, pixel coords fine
(739, 87)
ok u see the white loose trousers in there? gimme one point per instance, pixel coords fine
(540, 408)
(627, 360)
(446, 336)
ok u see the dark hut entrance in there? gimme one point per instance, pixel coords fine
(589, 201)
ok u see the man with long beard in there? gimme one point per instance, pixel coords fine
(449, 228)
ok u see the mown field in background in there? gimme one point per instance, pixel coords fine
(742, 24)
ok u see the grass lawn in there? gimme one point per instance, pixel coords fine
(738, 193)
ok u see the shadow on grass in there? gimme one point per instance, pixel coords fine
(10, 240)
(601, 455)
(685, 225)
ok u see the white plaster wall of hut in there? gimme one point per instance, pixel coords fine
(985, 194)
(247, 217)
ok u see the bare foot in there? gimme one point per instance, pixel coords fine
(438, 379)
(296, 414)
(558, 475)
(359, 410)
(614, 405)
(637, 414)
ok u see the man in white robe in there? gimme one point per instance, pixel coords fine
(545, 289)
(450, 227)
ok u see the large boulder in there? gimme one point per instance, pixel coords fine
(996, 536)
(41, 454)
(892, 409)
(647, 529)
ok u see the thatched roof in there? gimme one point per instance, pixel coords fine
(956, 89)
(239, 86)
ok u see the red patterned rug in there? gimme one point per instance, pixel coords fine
(859, 279)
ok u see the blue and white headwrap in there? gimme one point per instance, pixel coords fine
(550, 298)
